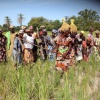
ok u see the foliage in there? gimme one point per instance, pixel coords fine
(49, 24)
(89, 17)
(86, 19)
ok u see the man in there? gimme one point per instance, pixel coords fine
(3, 42)
(17, 49)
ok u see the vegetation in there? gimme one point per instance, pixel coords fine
(84, 20)
(20, 19)
(41, 81)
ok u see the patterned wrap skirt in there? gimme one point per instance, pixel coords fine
(28, 55)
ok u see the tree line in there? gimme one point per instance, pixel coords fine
(84, 20)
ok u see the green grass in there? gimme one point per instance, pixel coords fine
(41, 81)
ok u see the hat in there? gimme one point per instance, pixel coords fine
(73, 27)
(42, 26)
(64, 26)
(31, 27)
(53, 31)
(82, 32)
(11, 26)
(21, 31)
(97, 31)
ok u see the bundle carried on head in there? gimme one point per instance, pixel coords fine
(73, 27)
(65, 26)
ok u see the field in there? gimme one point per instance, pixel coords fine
(40, 81)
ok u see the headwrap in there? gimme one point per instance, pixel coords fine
(54, 31)
(44, 30)
(73, 27)
(21, 31)
(89, 39)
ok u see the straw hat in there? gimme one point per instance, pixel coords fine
(82, 32)
(73, 26)
(97, 31)
(42, 26)
(64, 26)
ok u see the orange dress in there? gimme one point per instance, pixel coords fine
(63, 63)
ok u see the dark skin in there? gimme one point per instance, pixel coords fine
(1, 33)
(12, 30)
(91, 30)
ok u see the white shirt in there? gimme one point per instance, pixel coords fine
(28, 41)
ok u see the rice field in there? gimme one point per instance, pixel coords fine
(40, 81)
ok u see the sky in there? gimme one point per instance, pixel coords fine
(50, 9)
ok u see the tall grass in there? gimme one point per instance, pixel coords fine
(41, 81)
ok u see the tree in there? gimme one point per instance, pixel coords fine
(20, 19)
(37, 22)
(57, 24)
(7, 21)
(89, 17)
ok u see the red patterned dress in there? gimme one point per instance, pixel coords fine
(2, 48)
(63, 60)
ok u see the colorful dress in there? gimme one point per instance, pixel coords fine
(79, 50)
(17, 51)
(85, 51)
(3, 41)
(28, 53)
(97, 48)
(63, 63)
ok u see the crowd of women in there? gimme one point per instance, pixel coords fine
(66, 46)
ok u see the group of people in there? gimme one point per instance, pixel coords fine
(65, 45)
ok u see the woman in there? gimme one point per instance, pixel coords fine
(28, 43)
(3, 42)
(17, 49)
(63, 48)
(97, 45)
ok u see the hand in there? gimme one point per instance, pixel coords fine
(64, 55)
